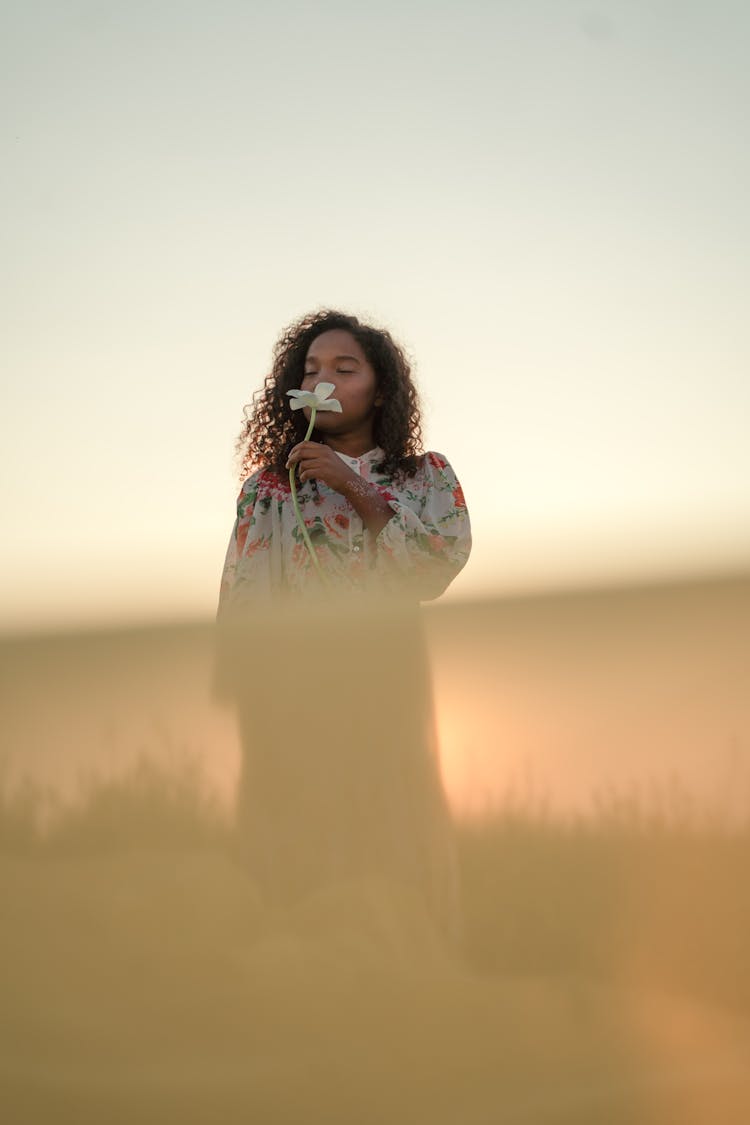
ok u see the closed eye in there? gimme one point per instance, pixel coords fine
(340, 370)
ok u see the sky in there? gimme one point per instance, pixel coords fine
(545, 202)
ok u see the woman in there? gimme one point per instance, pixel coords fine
(324, 657)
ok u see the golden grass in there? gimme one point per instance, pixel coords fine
(604, 978)
(647, 889)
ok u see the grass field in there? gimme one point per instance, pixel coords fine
(604, 977)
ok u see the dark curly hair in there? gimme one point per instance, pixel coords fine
(271, 428)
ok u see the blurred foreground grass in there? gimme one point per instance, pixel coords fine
(605, 978)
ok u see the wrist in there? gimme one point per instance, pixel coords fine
(369, 503)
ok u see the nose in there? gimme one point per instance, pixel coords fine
(312, 380)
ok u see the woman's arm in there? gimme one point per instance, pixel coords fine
(246, 579)
(319, 462)
(427, 540)
(368, 502)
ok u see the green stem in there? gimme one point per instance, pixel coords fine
(300, 521)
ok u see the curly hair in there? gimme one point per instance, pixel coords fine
(271, 428)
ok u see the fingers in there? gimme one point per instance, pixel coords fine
(304, 451)
(309, 467)
(298, 450)
(306, 467)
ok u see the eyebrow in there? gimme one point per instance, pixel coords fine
(314, 358)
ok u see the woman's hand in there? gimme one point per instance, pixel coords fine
(317, 461)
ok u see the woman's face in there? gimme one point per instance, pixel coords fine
(336, 357)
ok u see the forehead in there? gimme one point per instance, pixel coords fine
(334, 342)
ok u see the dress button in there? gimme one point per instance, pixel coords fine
(355, 548)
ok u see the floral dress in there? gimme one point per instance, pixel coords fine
(340, 776)
(421, 548)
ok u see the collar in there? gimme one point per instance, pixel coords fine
(366, 460)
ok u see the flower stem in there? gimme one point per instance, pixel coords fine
(298, 513)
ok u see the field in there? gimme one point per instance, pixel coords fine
(604, 977)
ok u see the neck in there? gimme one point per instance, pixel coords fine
(353, 445)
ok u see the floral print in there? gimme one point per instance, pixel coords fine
(420, 550)
(326, 793)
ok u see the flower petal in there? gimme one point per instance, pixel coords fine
(303, 398)
(317, 398)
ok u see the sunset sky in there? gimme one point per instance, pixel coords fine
(544, 200)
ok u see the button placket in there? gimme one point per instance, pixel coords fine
(356, 527)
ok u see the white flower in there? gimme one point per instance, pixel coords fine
(317, 398)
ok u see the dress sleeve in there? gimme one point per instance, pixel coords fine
(253, 550)
(246, 577)
(428, 539)
(228, 572)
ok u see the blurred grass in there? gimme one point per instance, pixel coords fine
(148, 806)
(640, 900)
(143, 978)
(647, 888)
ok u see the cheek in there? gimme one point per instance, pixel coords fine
(367, 393)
